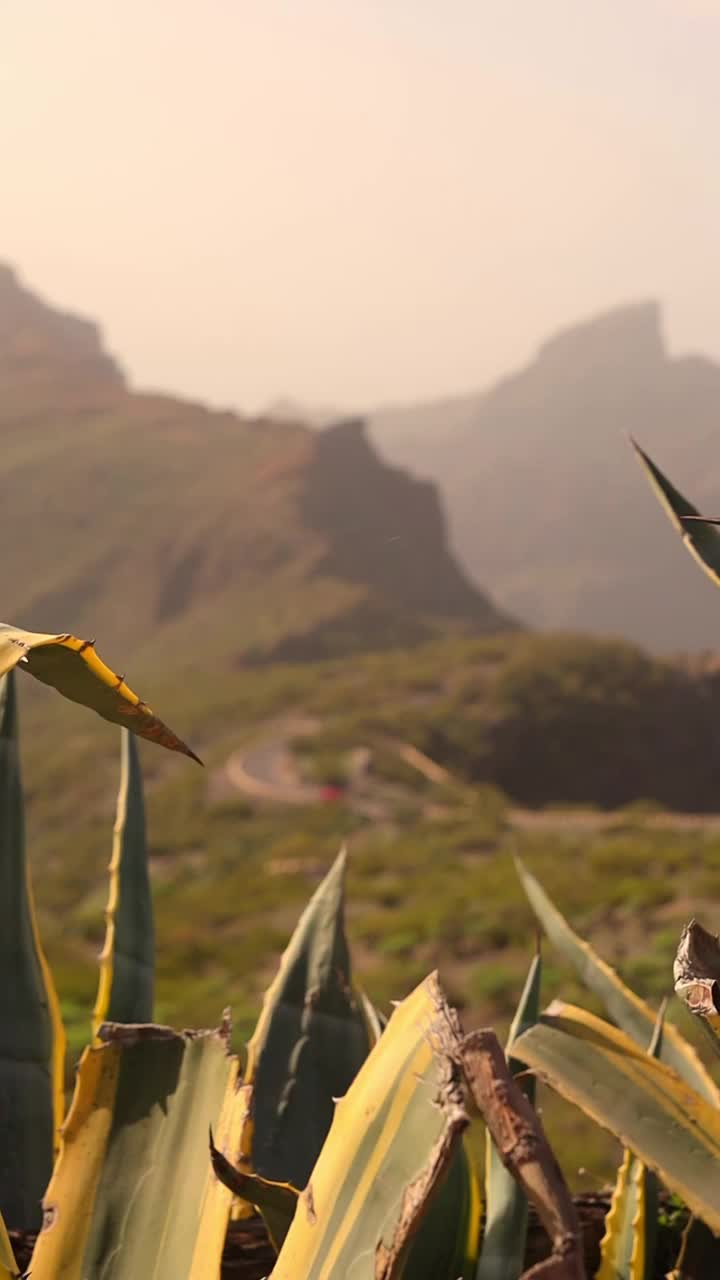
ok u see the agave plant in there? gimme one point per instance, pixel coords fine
(123, 1178)
(639, 1078)
(348, 1136)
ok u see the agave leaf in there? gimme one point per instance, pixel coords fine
(650, 1109)
(711, 1035)
(32, 1037)
(506, 1219)
(696, 971)
(448, 1239)
(627, 1250)
(216, 1207)
(310, 1041)
(133, 1193)
(8, 1266)
(520, 1139)
(392, 1140)
(375, 1021)
(630, 1013)
(73, 668)
(276, 1201)
(622, 1254)
(127, 960)
(701, 537)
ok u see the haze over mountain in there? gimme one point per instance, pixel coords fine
(177, 534)
(545, 503)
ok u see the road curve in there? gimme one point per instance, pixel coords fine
(267, 770)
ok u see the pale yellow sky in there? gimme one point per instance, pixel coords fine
(359, 201)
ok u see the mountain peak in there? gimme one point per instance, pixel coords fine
(49, 359)
(627, 335)
(383, 526)
(544, 504)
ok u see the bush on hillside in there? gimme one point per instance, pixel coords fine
(579, 720)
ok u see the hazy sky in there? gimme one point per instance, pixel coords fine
(358, 201)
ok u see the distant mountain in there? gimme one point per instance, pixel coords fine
(179, 535)
(49, 360)
(546, 506)
(285, 409)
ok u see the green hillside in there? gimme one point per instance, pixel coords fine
(431, 881)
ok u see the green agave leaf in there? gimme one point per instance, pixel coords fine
(127, 960)
(276, 1201)
(32, 1038)
(506, 1218)
(630, 1013)
(392, 1141)
(701, 538)
(375, 1020)
(312, 1037)
(73, 668)
(651, 1110)
(448, 1239)
(133, 1193)
(628, 1247)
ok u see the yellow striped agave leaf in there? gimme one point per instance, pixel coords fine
(311, 1039)
(32, 1038)
(133, 1193)
(392, 1140)
(624, 1249)
(73, 668)
(627, 1250)
(625, 1008)
(699, 535)
(127, 960)
(642, 1101)
(8, 1266)
(506, 1215)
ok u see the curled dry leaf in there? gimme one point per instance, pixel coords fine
(697, 972)
(521, 1143)
(74, 668)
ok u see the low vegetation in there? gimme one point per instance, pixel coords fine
(318, 1038)
(347, 1132)
(431, 884)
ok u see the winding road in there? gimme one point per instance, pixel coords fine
(267, 770)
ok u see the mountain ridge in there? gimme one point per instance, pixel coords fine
(544, 502)
(167, 527)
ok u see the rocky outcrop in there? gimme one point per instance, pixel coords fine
(49, 359)
(384, 528)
